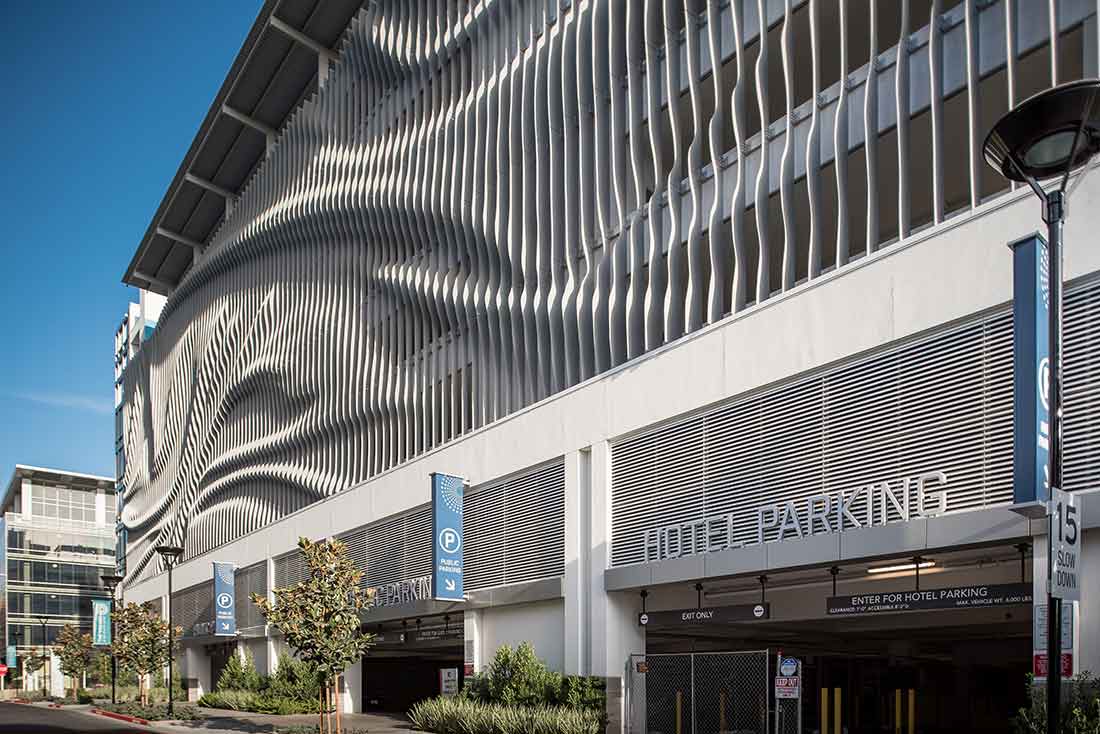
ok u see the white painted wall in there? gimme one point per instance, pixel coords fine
(542, 624)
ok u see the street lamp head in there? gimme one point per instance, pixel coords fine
(169, 553)
(1050, 134)
(111, 580)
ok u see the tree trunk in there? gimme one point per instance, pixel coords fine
(321, 710)
(337, 702)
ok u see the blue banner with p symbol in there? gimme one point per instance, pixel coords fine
(447, 537)
(225, 601)
(1031, 346)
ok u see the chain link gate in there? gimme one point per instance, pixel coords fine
(698, 693)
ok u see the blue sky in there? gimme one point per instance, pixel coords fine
(101, 103)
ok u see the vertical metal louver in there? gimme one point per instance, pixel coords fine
(942, 401)
(514, 531)
(487, 203)
(248, 581)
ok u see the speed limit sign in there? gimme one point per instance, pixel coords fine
(1065, 545)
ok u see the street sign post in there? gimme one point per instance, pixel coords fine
(1065, 546)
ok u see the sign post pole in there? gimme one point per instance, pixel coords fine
(1054, 216)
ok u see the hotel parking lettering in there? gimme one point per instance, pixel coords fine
(832, 512)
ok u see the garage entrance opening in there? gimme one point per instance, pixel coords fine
(929, 673)
(409, 660)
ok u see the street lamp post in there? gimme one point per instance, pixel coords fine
(170, 554)
(111, 581)
(42, 621)
(1045, 137)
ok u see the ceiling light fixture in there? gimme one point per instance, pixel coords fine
(901, 567)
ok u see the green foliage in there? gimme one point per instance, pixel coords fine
(583, 692)
(154, 712)
(295, 688)
(311, 729)
(260, 703)
(518, 677)
(240, 675)
(84, 696)
(1080, 707)
(141, 642)
(75, 652)
(458, 715)
(101, 669)
(296, 680)
(319, 617)
(34, 662)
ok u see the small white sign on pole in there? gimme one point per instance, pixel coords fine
(1065, 545)
(448, 681)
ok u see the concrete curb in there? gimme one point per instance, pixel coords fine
(120, 717)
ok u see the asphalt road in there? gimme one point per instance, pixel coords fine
(17, 718)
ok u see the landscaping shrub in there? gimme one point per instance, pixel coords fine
(1080, 707)
(240, 675)
(232, 700)
(154, 712)
(294, 689)
(456, 715)
(517, 694)
(518, 678)
(296, 680)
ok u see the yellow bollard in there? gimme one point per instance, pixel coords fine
(897, 711)
(679, 710)
(836, 711)
(721, 711)
(912, 711)
(824, 711)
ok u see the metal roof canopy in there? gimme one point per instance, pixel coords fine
(276, 69)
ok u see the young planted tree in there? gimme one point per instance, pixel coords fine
(319, 617)
(75, 652)
(141, 644)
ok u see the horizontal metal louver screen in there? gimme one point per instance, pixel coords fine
(290, 569)
(940, 402)
(514, 531)
(193, 605)
(248, 581)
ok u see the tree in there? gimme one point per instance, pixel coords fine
(141, 643)
(319, 617)
(75, 652)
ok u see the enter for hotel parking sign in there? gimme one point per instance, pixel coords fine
(1065, 548)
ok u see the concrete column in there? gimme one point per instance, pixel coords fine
(612, 618)
(25, 510)
(578, 560)
(272, 651)
(473, 655)
(100, 508)
(1088, 644)
(56, 678)
(196, 665)
(351, 689)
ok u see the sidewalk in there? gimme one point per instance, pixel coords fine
(219, 721)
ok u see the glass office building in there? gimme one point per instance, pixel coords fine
(60, 529)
